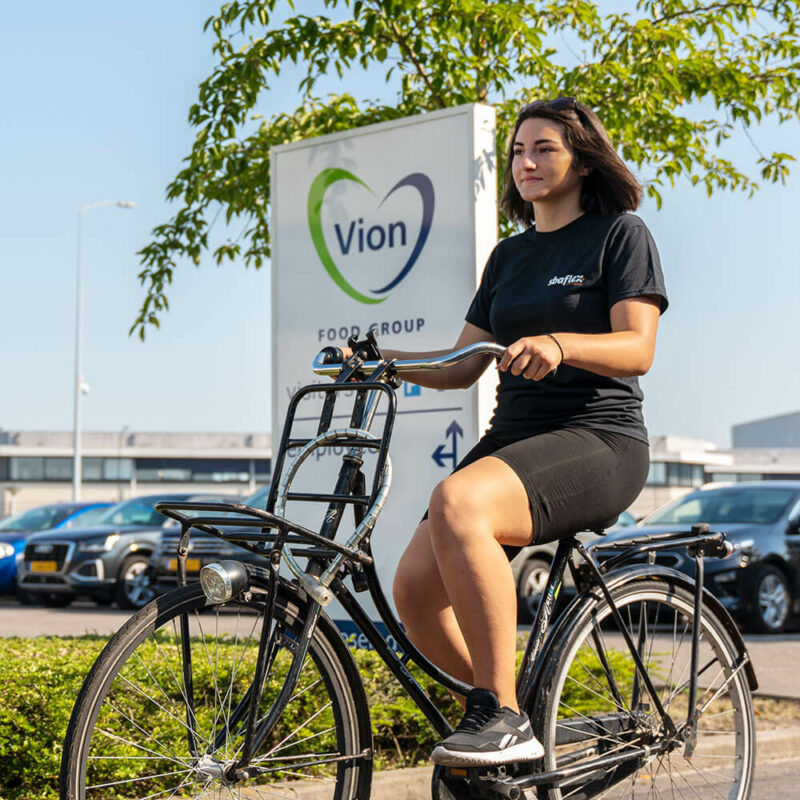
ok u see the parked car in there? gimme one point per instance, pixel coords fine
(203, 549)
(531, 567)
(760, 583)
(107, 562)
(15, 531)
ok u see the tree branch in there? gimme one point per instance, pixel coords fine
(403, 44)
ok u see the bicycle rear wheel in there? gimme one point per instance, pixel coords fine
(590, 703)
(129, 735)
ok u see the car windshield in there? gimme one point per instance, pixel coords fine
(256, 500)
(86, 518)
(752, 504)
(37, 519)
(138, 511)
(259, 499)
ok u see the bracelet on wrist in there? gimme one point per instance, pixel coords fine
(558, 345)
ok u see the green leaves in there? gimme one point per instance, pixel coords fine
(672, 82)
(42, 676)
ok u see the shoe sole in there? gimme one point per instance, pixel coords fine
(524, 751)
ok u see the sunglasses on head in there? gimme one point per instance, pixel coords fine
(559, 104)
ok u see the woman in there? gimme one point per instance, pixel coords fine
(575, 299)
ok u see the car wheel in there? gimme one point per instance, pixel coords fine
(770, 601)
(133, 583)
(532, 581)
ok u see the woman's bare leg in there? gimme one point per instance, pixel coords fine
(425, 610)
(471, 514)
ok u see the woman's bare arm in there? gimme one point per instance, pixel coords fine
(628, 350)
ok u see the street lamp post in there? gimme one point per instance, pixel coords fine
(119, 460)
(80, 384)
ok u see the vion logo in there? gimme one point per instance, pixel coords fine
(371, 239)
(376, 237)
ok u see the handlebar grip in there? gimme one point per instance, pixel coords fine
(331, 355)
(727, 549)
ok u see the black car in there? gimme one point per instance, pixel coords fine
(760, 583)
(203, 549)
(107, 562)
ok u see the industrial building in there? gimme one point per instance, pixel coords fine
(36, 466)
(782, 431)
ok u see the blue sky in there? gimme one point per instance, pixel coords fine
(93, 107)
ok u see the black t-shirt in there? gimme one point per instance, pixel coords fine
(567, 280)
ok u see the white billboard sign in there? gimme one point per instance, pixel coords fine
(384, 228)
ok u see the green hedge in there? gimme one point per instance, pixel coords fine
(41, 678)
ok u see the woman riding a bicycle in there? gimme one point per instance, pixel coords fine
(575, 299)
(240, 684)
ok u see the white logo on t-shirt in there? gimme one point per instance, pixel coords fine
(567, 280)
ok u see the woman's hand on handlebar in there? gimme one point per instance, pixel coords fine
(533, 357)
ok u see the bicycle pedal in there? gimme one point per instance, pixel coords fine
(472, 783)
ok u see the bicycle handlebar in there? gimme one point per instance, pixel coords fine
(325, 365)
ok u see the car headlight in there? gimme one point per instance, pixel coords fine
(99, 545)
(6, 550)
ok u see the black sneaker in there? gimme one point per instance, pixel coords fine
(487, 735)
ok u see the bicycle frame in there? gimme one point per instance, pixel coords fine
(356, 560)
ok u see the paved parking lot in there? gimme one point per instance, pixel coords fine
(776, 658)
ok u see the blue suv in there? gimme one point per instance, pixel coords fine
(15, 531)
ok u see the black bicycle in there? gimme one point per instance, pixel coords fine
(241, 686)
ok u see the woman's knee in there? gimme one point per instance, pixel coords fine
(456, 509)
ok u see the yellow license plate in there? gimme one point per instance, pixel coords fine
(44, 566)
(192, 565)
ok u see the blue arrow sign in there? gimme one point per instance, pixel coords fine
(440, 455)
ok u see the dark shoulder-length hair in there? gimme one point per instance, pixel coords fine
(609, 188)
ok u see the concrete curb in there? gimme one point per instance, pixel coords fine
(415, 783)
(777, 744)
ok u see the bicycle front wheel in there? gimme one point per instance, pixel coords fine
(592, 704)
(140, 729)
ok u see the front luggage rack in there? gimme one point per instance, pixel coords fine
(270, 530)
(292, 532)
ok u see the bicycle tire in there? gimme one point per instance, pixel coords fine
(128, 735)
(580, 717)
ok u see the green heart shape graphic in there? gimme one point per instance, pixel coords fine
(315, 195)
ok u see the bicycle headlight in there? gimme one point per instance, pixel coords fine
(220, 582)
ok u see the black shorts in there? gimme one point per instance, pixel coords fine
(576, 478)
